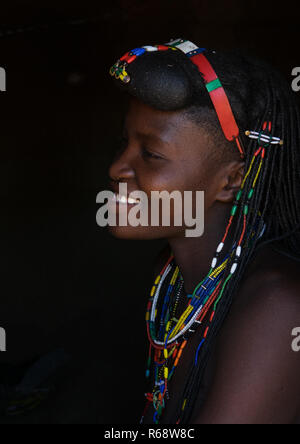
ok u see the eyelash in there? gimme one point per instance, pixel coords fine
(149, 154)
(123, 142)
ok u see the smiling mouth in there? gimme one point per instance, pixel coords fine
(124, 199)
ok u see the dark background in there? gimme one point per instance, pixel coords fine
(65, 283)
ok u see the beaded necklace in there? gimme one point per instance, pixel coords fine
(168, 335)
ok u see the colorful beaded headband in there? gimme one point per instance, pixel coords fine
(212, 82)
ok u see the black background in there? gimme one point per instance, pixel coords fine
(65, 283)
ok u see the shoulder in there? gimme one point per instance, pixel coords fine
(257, 373)
(272, 285)
(267, 304)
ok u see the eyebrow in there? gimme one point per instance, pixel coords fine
(147, 136)
(152, 138)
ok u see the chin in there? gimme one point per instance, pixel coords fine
(141, 233)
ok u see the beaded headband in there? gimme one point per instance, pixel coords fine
(212, 82)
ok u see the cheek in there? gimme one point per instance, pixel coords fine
(171, 177)
(194, 177)
(156, 179)
(191, 175)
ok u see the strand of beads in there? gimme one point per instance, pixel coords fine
(118, 70)
(163, 358)
(167, 311)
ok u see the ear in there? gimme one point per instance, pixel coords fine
(231, 178)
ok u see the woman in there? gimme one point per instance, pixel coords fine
(223, 305)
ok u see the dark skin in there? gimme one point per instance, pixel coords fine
(253, 374)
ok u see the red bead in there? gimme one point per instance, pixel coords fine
(162, 47)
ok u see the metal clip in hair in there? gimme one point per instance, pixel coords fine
(263, 138)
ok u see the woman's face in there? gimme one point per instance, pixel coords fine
(162, 151)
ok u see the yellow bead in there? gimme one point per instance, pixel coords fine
(166, 355)
(152, 291)
(157, 280)
(147, 316)
(166, 372)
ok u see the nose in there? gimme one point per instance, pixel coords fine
(121, 169)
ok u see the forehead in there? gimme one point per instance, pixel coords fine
(173, 132)
(171, 126)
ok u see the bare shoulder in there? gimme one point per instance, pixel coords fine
(257, 372)
(272, 283)
(268, 300)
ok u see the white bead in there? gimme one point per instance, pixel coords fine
(214, 262)
(238, 251)
(220, 247)
(233, 268)
(150, 48)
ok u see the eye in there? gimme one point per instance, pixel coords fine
(149, 155)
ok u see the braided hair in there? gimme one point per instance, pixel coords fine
(261, 99)
(257, 94)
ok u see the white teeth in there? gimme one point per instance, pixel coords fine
(124, 199)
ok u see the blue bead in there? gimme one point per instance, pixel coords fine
(138, 51)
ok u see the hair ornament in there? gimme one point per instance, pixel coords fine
(263, 137)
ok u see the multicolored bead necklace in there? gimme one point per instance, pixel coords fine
(174, 333)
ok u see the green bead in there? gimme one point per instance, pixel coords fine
(238, 196)
(246, 210)
(233, 211)
(250, 193)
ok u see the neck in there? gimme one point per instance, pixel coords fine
(194, 255)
